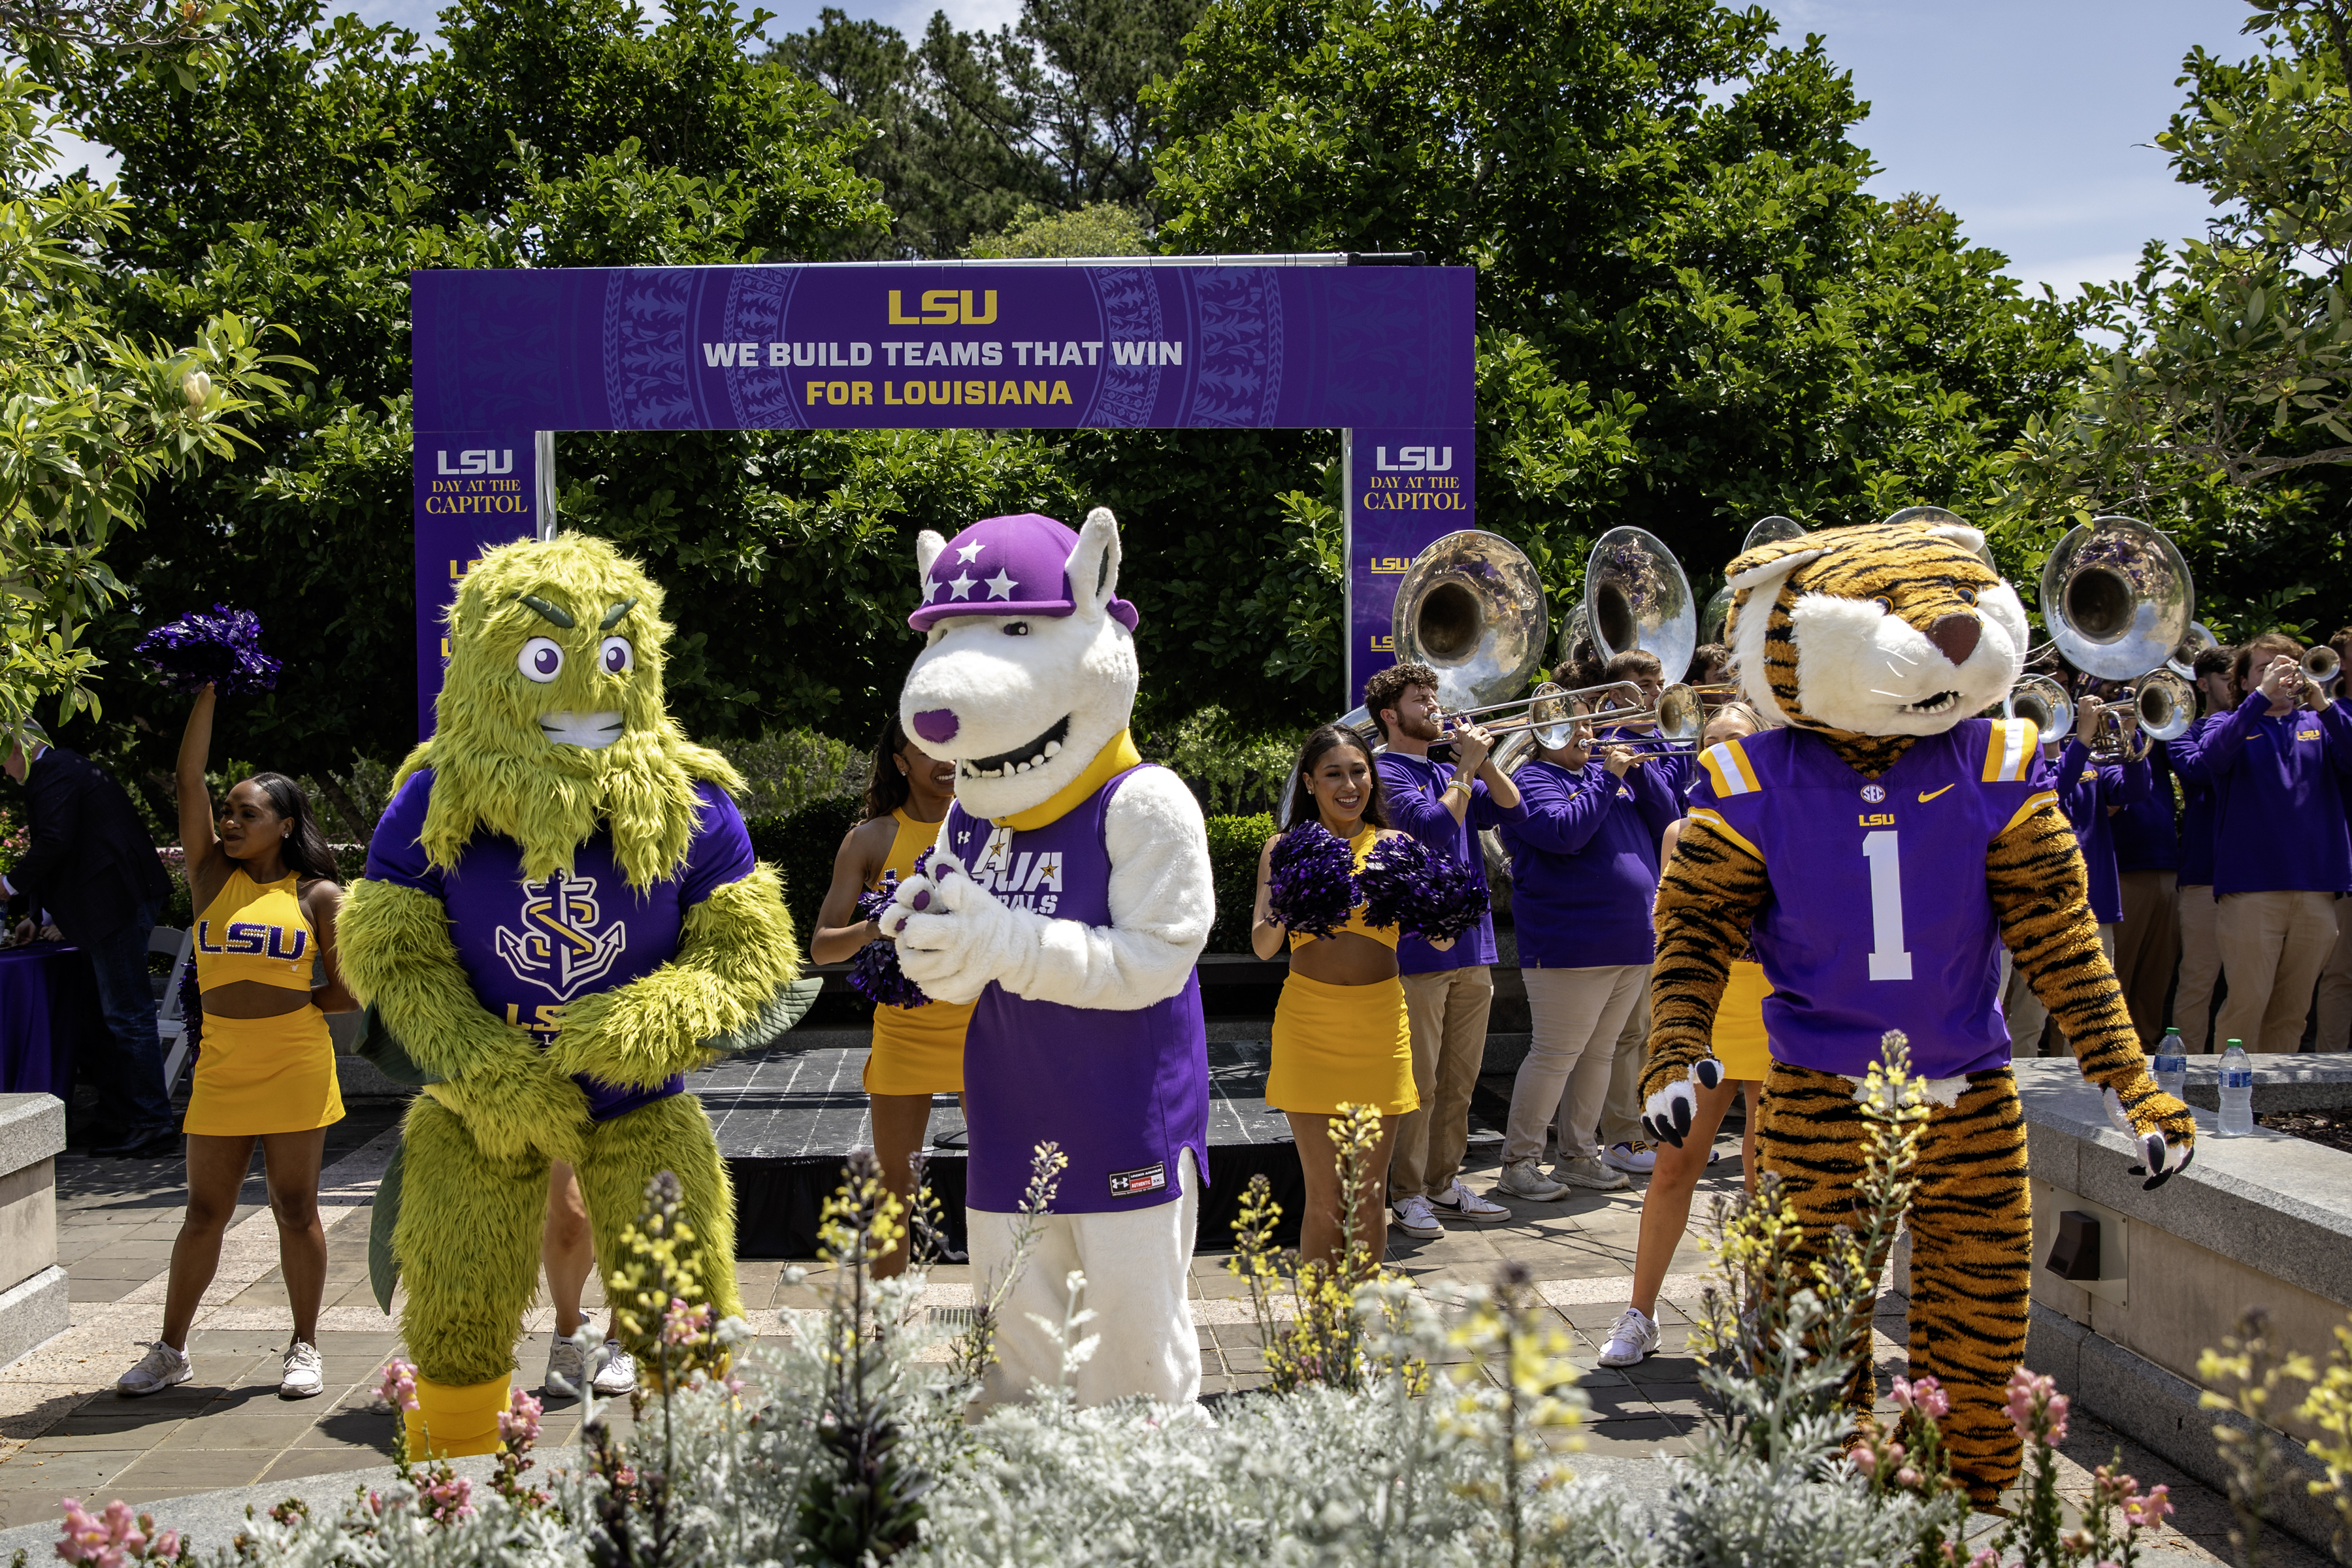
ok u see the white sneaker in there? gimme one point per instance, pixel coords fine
(1521, 1179)
(1415, 1217)
(616, 1371)
(567, 1368)
(1584, 1170)
(161, 1368)
(1458, 1202)
(1632, 1337)
(1639, 1158)
(304, 1374)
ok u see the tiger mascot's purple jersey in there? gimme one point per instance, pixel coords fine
(1878, 917)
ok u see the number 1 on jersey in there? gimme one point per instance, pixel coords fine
(1889, 959)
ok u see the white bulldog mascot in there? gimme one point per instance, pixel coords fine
(1069, 893)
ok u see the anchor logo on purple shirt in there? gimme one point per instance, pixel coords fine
(559, 949)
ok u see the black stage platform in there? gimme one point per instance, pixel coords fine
(788, 1118)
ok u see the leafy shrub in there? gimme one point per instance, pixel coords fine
(803, 846)
(1234, 845)
(790, 770)
(1229, 772)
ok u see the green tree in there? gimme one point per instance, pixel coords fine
(2222, 411)
(1672, 239)
(970, 130)
(89, 416)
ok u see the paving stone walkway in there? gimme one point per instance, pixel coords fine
(64, 1432)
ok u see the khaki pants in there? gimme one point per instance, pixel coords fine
(1578, 1014)
(2200, 966)
(2335, 987)
(2147, 945)
(2026, 1014)
(1621, 1115)
(2273, 946)
(1448, 1013)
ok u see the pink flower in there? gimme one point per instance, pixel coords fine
(1988, 1558)
(1861, 1459)
(398, 1388)
(1906, 1476)
(518, 1422)
(168, 1544)
(450, 1499)
(2147, 1512)
(85, 1537)
(2034, 1403)
(1928, 1398)
(683, 1325)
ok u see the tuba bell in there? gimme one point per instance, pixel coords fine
(2182, 660)
(2117, 599)
(1635, 596)
(1471, 606)
(1768, 531)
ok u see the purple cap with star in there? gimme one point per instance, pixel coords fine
(1005, 566)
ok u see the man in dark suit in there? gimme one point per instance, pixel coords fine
(93, 867)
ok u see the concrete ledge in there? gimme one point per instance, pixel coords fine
(2278, 1205)
(31, 1129)
(2153, 1408)
(33, 1311)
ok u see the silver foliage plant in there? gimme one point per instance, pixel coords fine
(1440, 1461)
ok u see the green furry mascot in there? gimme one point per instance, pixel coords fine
(562, 916)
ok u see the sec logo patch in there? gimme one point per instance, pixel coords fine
(1873, 794)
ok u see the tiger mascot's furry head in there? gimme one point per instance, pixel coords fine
(1882, 631)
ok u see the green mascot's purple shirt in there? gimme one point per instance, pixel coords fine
(530, 947)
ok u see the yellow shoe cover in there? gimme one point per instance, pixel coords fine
(450, 1422)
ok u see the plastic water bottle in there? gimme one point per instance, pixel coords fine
(2237, 1093)
(2170, 1065)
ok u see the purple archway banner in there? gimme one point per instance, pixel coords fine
(1171, 343)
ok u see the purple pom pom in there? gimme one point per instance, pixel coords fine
(1408, 885)
(221, 649)
(875, 973)
(1311, 885)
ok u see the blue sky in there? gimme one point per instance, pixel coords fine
(2033, 120)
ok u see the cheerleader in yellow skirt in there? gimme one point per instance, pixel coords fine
(1339, 1032)
(266, 902)
(918, 1051)
(1741, 1046)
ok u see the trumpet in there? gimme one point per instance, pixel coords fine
(2044, 702)
(2322, 664)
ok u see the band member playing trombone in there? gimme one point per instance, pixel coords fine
(2282, 849)
(1447, 994)
(1584, 870)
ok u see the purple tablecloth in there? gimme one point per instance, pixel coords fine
(48, 998)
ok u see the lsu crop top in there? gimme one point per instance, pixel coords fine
(253, 931)
(1361, 845)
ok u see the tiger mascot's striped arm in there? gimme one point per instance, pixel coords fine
(1711, 891)
(2034, 873)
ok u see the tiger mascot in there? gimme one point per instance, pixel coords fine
(1878, 849)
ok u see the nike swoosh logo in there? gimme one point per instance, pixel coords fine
(1925, 798)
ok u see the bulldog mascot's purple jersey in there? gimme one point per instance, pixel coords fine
(1901, 859)
(1122, 1108)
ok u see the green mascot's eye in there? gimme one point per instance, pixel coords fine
(617, 656)
(541, 660)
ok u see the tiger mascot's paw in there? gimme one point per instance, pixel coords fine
(1667, 1114)
(2162, 1130)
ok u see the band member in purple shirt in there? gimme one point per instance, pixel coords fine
(2335, 979)
(2282, 850)
(1447, 994)
(2200, 948)
(2147, 864)
(1584, 871)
